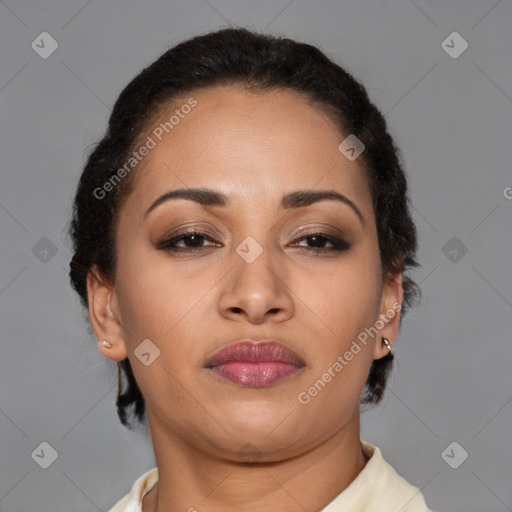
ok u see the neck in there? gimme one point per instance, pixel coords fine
(192, 480)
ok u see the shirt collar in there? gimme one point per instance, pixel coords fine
(377, 488)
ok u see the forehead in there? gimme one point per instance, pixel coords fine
(258, 144)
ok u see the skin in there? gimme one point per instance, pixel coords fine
(254, 148)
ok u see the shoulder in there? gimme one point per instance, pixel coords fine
(133, 500)
(379, 488)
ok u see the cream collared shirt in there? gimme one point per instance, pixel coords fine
(377, 488)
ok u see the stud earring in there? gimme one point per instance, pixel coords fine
(390, 356)
(105, 343)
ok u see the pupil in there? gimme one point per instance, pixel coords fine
(196, 240)
(317, 239)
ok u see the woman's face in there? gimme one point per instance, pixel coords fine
(252, 273)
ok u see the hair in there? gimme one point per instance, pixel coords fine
(257, 62)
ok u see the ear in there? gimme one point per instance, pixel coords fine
(389, 314)
(105, 317)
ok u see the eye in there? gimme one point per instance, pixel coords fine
(319, 239)
(195, 239)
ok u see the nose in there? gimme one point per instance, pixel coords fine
(257, 291)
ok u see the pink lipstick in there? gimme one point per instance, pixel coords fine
(255, 364)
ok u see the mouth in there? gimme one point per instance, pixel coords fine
(255, 364)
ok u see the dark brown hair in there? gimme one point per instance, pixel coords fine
(256, 62)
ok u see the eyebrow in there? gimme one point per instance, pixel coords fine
(212, 198)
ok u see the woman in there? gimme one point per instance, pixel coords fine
(241, 237)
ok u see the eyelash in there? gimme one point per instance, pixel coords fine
(169, 244)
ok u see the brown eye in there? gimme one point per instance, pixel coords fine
(193, 239)
(317, 241)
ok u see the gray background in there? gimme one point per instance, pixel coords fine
(450, 116)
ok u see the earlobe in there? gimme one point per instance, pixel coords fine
(104, 316)
(391, 354)
(115, 352)
(389, 316)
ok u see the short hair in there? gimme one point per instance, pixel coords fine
(257, 62)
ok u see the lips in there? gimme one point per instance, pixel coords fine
(255, 364)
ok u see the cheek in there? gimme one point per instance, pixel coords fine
(343, 304)
(165, 301)
(158, 300)
(345, 297)
(159, 304)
